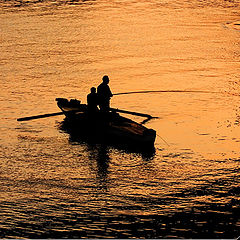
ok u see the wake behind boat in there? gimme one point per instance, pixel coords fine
(105, 126)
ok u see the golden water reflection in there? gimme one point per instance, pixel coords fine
(55, 186)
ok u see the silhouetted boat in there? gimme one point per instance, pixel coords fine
(104, 127)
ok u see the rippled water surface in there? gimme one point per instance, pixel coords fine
(55, 186)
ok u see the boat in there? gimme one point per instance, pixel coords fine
(109, 127)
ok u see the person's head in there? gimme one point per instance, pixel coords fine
(93, 90)
(105, 79)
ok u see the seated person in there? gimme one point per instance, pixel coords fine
(92, 100)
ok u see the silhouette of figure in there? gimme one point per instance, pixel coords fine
(104, 94)
(92, 100)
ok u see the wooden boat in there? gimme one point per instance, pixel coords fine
(108, 127)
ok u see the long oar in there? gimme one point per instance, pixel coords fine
(61, 113)
(40, 116)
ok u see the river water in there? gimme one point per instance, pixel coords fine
(53, 186)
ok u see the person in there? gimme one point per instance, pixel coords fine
(92, 100)
(104, 94)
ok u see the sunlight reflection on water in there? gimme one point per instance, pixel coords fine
(56, 186)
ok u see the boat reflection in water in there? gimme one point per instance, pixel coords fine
(107, 129)
(99, 151)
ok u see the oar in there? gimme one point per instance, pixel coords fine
(132, 113)
(40, 116)
(61, 113)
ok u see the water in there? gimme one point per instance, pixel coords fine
(53, 186)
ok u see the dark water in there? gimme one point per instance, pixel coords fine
(54, 185)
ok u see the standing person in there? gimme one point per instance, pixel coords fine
(92, 101)
(104, 94)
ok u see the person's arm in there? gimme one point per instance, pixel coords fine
(110, 93)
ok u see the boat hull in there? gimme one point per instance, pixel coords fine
(104, 127)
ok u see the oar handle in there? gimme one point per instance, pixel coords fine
(132, 113)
